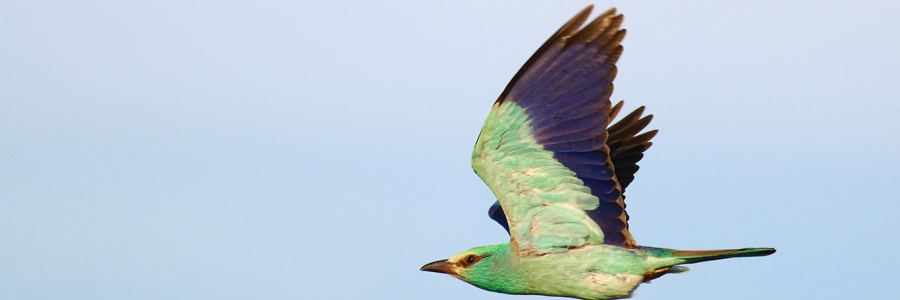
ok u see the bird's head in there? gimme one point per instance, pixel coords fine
(483, 266)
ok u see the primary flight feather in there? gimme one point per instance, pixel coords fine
(559, 172)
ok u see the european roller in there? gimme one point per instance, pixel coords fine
(559, 173)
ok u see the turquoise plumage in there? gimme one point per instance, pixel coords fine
(559, 172)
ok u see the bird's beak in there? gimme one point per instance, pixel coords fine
(440, 266)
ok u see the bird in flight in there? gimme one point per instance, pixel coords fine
(559, 174)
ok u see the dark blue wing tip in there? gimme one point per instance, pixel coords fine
(496, 213)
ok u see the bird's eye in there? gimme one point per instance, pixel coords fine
(470, 259)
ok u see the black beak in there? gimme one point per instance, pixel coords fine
(440, 266)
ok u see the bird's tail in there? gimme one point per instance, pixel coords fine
(695, 256)
(671, 260)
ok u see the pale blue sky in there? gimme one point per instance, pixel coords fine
(283, 150)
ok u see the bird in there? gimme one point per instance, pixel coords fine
(559, 171)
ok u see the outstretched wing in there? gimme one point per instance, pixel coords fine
(626, 146)
(543, 149)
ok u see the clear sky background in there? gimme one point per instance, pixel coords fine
(295, 150)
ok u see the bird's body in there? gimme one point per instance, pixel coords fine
(559, 172)
(592, 272)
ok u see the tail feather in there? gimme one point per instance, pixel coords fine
(695, 256)
(672, 260)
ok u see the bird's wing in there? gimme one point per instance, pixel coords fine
(543, 149)
(626, 146)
